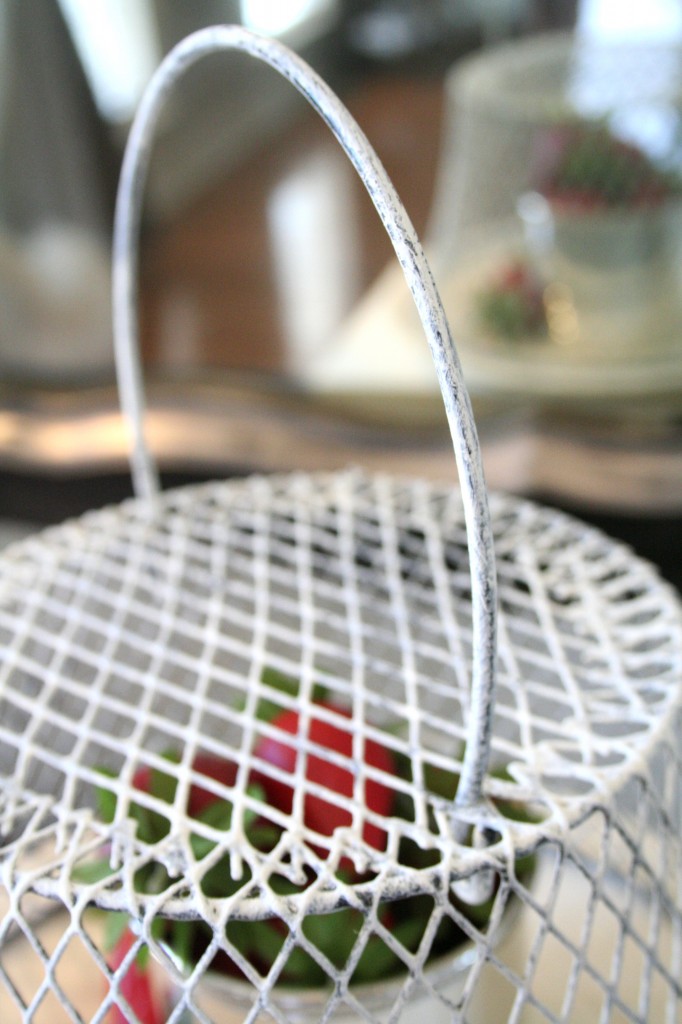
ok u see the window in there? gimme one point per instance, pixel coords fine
(119, 48)
(276, 17)
(119, 42)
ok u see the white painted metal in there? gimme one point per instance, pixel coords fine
(154, 624)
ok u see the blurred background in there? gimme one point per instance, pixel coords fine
(276, 331)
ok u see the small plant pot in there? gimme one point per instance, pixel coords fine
(613, 276)
(227, 1000)
(616, 281)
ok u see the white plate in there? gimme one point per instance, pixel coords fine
(380, 349)
(534, 367)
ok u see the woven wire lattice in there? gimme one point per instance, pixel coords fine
(129, 633)
(145, 644)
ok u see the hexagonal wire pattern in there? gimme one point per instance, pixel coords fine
(169, 622)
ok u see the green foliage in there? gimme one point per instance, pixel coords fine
(507, 314)
(333, 936)
(512, 305)
(268, 707)
(595, 168)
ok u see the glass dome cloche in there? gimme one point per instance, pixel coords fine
(556, 229)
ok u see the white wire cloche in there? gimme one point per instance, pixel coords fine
(337, 746)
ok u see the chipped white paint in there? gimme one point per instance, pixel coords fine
(420, 280)
(150, 625)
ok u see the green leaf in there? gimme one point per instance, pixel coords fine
(142, 958)
(218, 882)
(115, 924)
(440, 781)
(154, 825)
(376, 961)
(218, 815)
(261, 940)
(410, 931)
(106, 798)
(268, 708)
(525, 867)
(334, 934)
(283, 886)
(256, 792)
(163, 785)
(152, 878)
(263, 835)
(182, 935)
(277, 680)
(301, 969)
(93, 871)
(151, 825)
(415, 856)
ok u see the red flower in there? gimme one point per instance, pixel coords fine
(135, 987)
(320, 814)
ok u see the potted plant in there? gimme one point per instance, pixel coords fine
(602, 244)
(511, 306)
(302, 983)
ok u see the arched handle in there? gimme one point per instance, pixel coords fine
(420, 281)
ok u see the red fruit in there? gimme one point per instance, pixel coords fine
(136, 988)
(325, 816)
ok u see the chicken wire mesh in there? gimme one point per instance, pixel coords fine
(236, 734)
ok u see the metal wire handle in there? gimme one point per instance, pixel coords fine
(424, 292)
